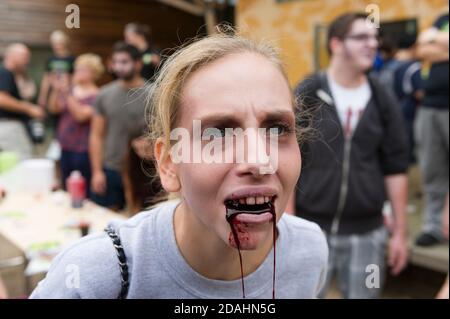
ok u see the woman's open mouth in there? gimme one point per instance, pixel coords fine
(250, 209)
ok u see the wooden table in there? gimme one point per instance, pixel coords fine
(36, 227)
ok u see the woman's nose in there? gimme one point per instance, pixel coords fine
(259, 158)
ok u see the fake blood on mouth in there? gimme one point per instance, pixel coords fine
(232, 212)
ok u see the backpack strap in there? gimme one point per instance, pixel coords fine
(125, 284)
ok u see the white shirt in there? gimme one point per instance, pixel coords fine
(350, 103)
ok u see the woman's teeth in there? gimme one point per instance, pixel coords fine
(254, 200)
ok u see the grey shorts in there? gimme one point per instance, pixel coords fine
(358, 262)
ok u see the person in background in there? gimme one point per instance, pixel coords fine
(58, 67)
(409, 89)
(119, 109)
(388, 50)
(432, 128)
(138, 35)
(28, 92)
(27, 87)
(75, 106)
(360, 158)
(140, 191)
(141, 187)
(15, 112)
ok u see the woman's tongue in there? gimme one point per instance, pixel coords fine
(249, 218)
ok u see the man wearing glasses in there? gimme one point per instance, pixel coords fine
(358, 161)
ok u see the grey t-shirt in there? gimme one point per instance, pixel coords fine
(89, 268)
(124, 111)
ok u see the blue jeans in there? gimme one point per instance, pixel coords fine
(114, 196)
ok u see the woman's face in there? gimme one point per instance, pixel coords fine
(83, 74)
(242, 91)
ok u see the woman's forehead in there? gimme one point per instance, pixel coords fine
(240, 83)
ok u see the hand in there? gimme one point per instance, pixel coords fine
(98, 183)
(60, 82)
(397, 254)
(429, 35)
(35, 111)
(65, 83)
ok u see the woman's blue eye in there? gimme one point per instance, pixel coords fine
(279, 129)
(215, 132)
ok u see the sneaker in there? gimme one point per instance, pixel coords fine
(426, 240)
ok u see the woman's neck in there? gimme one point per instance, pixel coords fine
(85, 89)
(207, 254)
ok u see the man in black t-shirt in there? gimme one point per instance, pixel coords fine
(432, 128)
(13, 111)
(137, 35)
(59, 65)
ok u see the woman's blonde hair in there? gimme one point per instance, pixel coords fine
(93, 62)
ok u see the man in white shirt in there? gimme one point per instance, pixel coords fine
(360, 158)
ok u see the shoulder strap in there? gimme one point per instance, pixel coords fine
(122, 262)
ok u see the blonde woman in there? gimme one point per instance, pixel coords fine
(226, 235)
(75, 106)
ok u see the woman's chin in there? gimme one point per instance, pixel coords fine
(250, 239)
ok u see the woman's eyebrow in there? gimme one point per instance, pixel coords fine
(278, 115)
(220, 119)
(232, 120)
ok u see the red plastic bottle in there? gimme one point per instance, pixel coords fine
(76, 186)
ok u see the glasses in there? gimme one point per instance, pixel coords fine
(363, 37)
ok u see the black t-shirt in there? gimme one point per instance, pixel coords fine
(148, 69)
(60, 64)
(436, 84)
(8, 85)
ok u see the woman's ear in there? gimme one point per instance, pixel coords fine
(167, 170)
